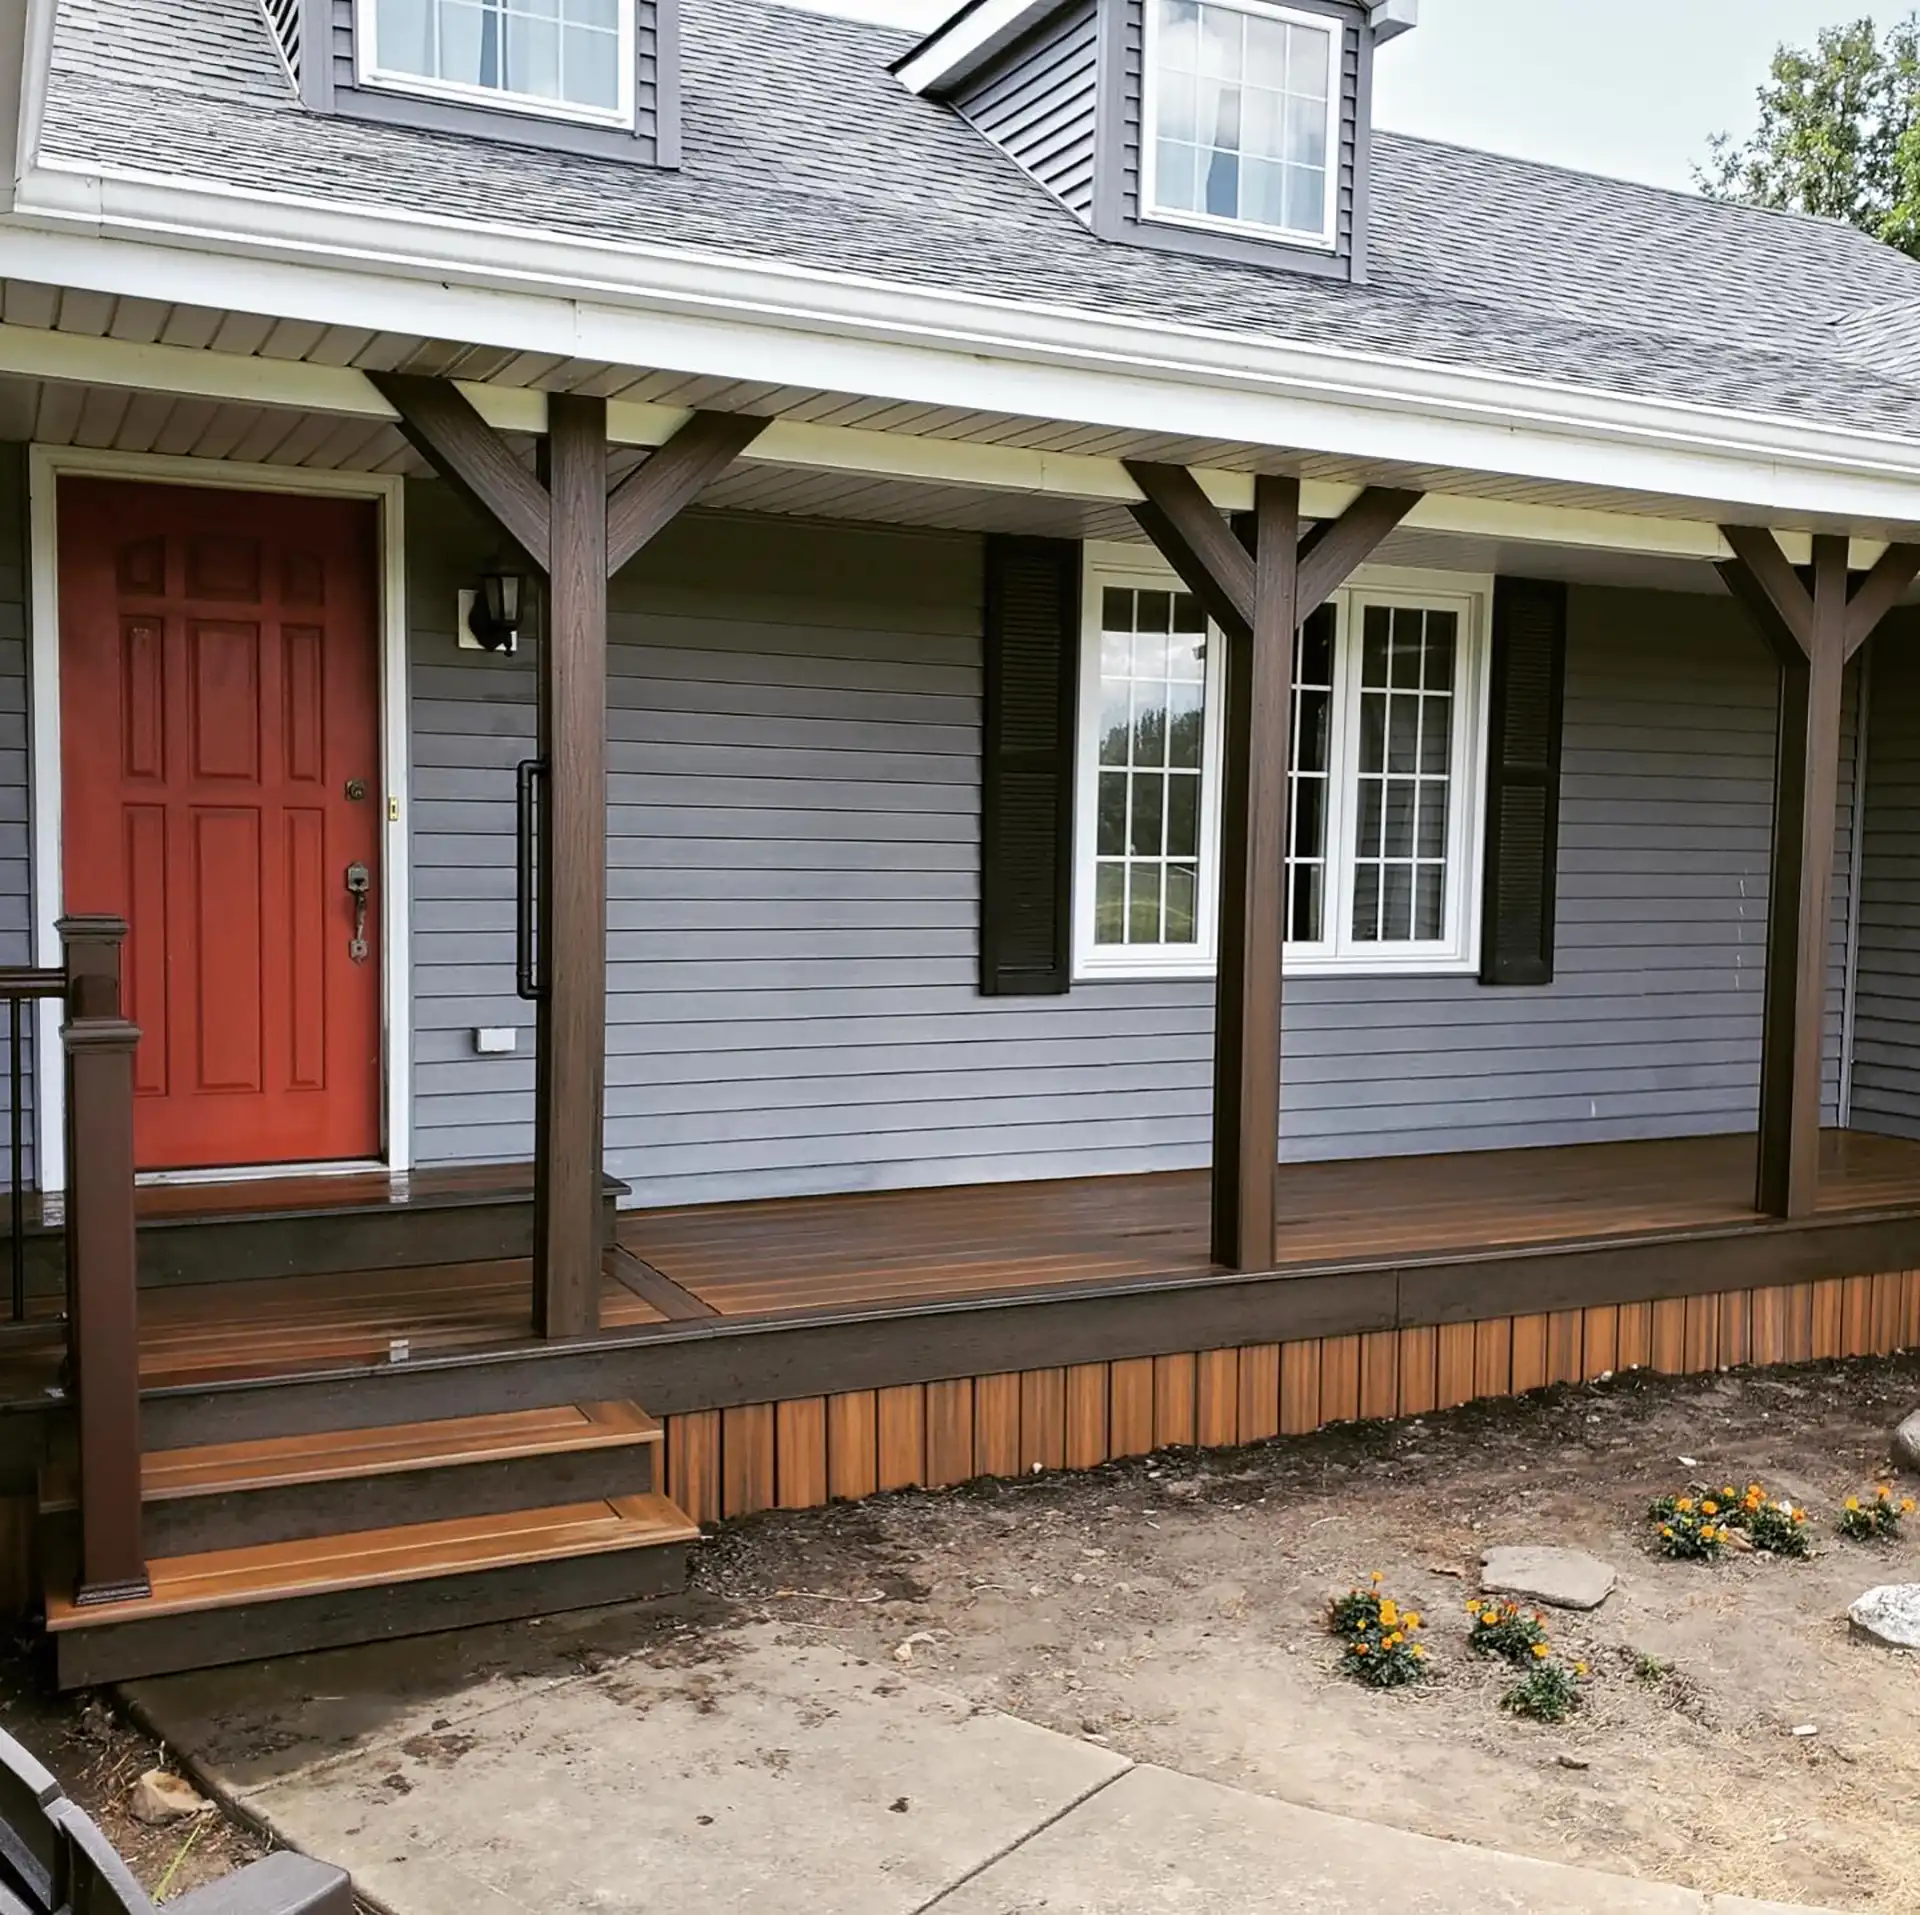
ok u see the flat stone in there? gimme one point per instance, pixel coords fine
(1565, 1578)
(1889, 1614)
(1906, 1443)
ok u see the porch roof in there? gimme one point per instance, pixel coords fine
(802, 150)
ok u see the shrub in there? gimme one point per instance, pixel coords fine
(1690, 1527)
(1548, 1692)
(1877, 1521)
(1503, 1629)
(1380, 1643)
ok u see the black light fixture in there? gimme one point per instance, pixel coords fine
(498, 608)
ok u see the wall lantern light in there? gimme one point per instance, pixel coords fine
(493, 613)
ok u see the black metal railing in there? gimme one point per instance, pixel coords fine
(20, 985)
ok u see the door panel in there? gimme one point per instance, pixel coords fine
(219, 690)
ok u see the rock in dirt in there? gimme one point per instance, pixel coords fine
(1889, 1615)
(160, 1797)
(1906, 1443)
(1566, 1578)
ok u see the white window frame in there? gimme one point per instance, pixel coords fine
(1339, 955)
(1327, 237)
(369, 73)
(1126, 568)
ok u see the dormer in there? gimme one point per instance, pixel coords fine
(1237, 129)
(580, 76)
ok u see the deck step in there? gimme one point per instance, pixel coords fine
(368, 1585)
(283, 1489)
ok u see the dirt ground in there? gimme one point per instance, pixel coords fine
(1173, 1608)
(96, 1753)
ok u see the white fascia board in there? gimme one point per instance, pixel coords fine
(729, 318)
(82, 359)
(967, 41)
(1388, 19)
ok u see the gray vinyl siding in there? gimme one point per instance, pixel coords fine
(794, 816)
(1355, 119)
(1886, 1025)
(1037, 104)
(331, 84)
(16, 891)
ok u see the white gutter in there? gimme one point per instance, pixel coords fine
(968, 39)
(650, 305)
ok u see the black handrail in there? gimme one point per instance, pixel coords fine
(20, 985)
(530, 778)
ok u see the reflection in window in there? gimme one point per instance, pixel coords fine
(1152, 726)
(567, 51)
(1407, 658)
(1310, 775)
(1242, 115)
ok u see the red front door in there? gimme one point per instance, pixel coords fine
(219, 719)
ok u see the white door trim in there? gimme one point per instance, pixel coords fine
(45, 465)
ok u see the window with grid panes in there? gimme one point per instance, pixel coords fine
(571, 57)
(1383, 781)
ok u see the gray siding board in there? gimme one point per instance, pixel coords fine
(793, 998)
(1886, 1029)
(1037, 105)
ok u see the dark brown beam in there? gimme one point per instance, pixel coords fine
(1197, 542)
(1253, 845)
(1799, 895)
(464, 450)
(651, 496)
(1331, 551)
(1879, 592)
(571, 1049)
(1770, 588)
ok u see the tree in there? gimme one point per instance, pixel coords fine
(1839, 134)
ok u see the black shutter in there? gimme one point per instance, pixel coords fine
(1026, 778)
(1523, 781)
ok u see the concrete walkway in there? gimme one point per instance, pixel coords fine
(554, 1767)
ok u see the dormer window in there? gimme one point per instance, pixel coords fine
(570, 59)
(1240, 100)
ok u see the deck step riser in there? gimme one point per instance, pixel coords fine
(284, 1513)
(220, 1250)
(161, 1645)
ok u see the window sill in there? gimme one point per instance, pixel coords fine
(1321, 242)
(1300, 967)
(513, 106)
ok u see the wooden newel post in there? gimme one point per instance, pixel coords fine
(102, 1292)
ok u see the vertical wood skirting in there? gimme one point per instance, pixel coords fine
(807, 1451)
(571, 1016)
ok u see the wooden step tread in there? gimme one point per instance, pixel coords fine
(368, 1558)
(284, 1462)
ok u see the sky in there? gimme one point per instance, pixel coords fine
(1631, 88)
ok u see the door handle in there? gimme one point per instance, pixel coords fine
(359, 886)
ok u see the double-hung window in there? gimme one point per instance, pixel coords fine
(1385, 768)
(1242, 104)
(571, 59)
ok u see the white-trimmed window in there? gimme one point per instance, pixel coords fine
(1386, 773)
(571, 59)
(1242, 102)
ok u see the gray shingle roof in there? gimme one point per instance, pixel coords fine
(801, 148)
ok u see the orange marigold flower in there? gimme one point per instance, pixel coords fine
(1412, 1619)
(1419, 1651)
(1389, 1612)
(1684, 1504)
(1709, 1508)
(1539, 1650)
(1906, 1506)
(1853, 1503)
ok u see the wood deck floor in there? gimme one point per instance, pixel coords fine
(900, 1250)
(915, 1246)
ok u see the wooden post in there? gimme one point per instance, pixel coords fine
(1812, 636)
(102, 1279)
(579, 535)
(1253, 843)
(571, 1046)
(1806, 784)
(1259, 603)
